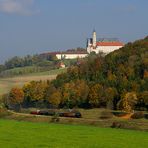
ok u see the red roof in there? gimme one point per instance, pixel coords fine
(110, 44)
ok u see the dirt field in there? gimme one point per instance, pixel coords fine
(7, 83)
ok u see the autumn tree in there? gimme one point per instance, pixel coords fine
(16, 96)
(128, 102)
(35, 91)
(55, 98)
(82, 91)
(73, 72)
(110, 94)
(69, 98)
(96, 95)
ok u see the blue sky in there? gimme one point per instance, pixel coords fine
(35, 26)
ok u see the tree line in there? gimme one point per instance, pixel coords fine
(28, 60)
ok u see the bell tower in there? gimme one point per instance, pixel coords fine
(94, 38)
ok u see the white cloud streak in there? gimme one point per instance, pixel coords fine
(21, 7)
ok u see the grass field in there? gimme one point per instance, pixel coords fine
(20, 70)
(7, 83)
(34, 135)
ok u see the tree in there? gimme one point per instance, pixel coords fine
(69, 98)
(96, 95)
(16, 96)
(128, 102)
(73, 72)
(55, 98)
(110, 94)
(35, 91)
(143, 99)
(82, 91)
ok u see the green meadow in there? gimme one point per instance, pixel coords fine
(37, 135)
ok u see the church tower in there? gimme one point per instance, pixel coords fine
(94, 38)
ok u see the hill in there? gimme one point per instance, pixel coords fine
(121, 75)
(35, 63)
(117, 81)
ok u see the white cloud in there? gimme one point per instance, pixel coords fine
(22, 7)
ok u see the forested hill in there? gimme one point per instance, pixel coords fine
(130, 61)
(117, 81)
(112, 77)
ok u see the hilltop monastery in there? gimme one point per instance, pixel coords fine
(93, 45)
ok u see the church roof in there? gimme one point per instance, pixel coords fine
(107, 43)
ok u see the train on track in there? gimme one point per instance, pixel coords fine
(72, 114)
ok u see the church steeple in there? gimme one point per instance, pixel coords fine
(94, 38)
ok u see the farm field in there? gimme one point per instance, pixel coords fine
(28, 134)
(7, 83)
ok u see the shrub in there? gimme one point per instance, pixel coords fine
(138, 115)
(106, 115)
(55, 118)
(116, 125)
(3, 112)
(146, 116)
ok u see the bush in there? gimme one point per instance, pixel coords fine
(3, 112)
(55, 118)
(138, 115)
(106, 115)
(116, 125)
(146, 116)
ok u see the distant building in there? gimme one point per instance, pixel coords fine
(105, 45)
(71, 55)
(67, 54)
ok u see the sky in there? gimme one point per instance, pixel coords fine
(37, 26)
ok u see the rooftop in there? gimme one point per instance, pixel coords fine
(107, 43)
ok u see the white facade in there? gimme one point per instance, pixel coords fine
(71, 55)
(103, 45)
(104, 49)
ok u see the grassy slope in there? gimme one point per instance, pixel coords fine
(25, 134)
(20, 71)
(7, 83)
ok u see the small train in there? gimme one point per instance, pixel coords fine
(72, 114)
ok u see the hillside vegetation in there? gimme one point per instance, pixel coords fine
(34, 64)
(116, 81)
